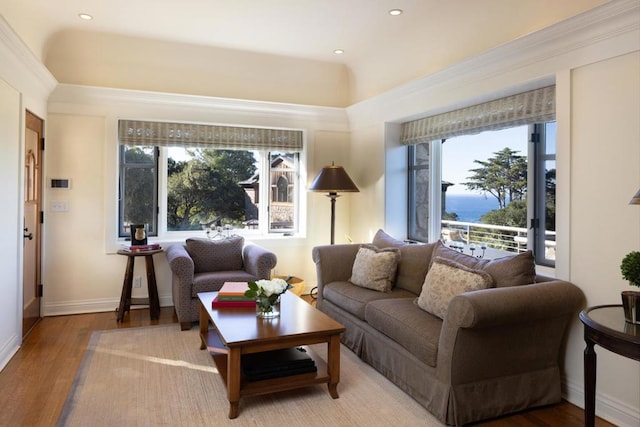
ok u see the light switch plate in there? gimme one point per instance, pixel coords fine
(59, 206)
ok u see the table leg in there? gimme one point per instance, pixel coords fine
(233, 381)
(125, 297)
(154, 300)
(204, 326)
(333, 364)
(590, 366)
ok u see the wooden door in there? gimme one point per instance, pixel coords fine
(31, 289)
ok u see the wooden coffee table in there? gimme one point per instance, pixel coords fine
(237, 331)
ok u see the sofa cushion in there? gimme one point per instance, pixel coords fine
(383, 240)
(213, 280)
(445, 280)
(511, 270)
(375, 268)
(414, 260)
(216, 255)
(353, 299)
(413, 266)
(401, 320)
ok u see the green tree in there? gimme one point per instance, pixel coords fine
(206, 189)
(513, 215)
(503, 176)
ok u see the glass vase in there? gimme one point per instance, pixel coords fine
(268, 308)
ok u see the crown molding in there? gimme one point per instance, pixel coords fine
(21, 69)
(79, 99)
(521, 64)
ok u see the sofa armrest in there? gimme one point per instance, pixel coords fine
(333, 263)
(504, 331)
(258, 261)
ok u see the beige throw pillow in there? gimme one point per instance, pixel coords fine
(375, 268)
(445, 280)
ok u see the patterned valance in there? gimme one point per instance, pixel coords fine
(137, 132)
(535, 106)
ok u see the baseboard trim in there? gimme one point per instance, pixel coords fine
(92, 306)
(8, 349)
(608, 408)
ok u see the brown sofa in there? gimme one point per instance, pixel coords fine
(495, 351)
(203, 265)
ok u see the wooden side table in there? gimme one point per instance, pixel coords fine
(605, 325)
(125, 299)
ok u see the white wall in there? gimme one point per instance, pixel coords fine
(10, 316)
(594, 61)
(82, 272)
(24, 84)
(605, 169)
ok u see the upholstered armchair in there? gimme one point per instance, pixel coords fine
(203, 265)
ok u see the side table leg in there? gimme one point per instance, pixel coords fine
(590, 366)
(127, 284)
(154, 300)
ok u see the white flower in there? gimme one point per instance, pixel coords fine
(272, 287)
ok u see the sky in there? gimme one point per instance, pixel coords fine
(459, 153)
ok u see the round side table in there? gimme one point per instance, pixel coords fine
(605, 325)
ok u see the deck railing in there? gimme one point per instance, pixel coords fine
(498, 237)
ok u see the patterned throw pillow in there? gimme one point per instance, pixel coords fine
(375, 268)
(216, 255)
(445, 280)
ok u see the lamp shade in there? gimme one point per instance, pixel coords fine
(635, 200)
(333, 179)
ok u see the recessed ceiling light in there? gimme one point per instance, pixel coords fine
(395, 12)
(338, 51)
(85, 16)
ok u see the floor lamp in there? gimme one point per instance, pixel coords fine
(332, 179)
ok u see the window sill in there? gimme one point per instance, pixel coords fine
(167, 240)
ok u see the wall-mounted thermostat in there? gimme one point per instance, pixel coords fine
(62, 183)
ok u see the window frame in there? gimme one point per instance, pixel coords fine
(535, 181)
(161, 191)
(123, 166)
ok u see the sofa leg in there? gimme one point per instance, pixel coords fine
(185, 326)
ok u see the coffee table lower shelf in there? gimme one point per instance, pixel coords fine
(273, 385)
(220, 354)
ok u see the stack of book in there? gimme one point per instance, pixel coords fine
(142, 248)
(232, 295)
(277, 363)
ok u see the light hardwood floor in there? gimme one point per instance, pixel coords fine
(35, 383)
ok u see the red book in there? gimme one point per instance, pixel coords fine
(232, 304)
(139, 248)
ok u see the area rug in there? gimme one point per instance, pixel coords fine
(158, 376)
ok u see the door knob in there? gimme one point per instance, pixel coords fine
(27, 236)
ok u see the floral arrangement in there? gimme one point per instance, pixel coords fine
(267, 293)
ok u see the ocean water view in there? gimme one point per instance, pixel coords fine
(470, 207)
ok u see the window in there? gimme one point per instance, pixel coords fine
(180, 187)
(138, 191)
(518, 177)
(497, 191)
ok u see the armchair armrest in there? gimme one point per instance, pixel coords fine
(180, 263)
(333, 263)
(505, 331)
(258, 261)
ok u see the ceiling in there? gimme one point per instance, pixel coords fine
(428, 36)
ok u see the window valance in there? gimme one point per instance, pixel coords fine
(534, 106)
(137, 132)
